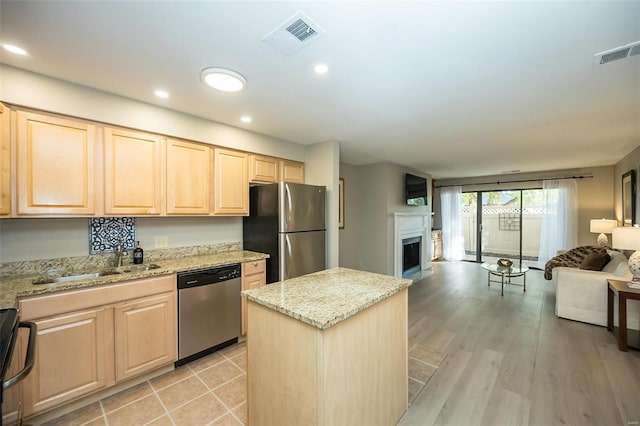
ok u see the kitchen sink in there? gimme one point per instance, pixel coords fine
(140, 268)
(84, 276)
(66, 278)
(122, 270)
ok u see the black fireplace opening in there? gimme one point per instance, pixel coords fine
(411, 248)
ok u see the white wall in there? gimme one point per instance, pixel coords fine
(322, 167)
(395, 191)
(29, 239)
(372, 194)
(370, 219)
(629, 162)
(40, 92)
(353, 199)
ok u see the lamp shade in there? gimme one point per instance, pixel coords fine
(626, 238)
(604, 226)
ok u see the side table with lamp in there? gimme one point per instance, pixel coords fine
(625, 238)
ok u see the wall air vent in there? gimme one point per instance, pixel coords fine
(294, 34)
(617, 54)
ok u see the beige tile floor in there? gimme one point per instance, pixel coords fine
(208, 391)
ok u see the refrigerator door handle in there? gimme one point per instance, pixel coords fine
(288, 256)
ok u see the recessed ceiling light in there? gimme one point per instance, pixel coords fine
(321, 69)
(223, 79)
(245, 119)
(14, 49)
(161, 93)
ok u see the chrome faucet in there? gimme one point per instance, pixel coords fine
(120, 254)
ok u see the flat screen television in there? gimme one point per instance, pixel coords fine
(415, 190)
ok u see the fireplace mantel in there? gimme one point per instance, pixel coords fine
(408, 225)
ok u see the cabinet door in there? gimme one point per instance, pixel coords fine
(55, 165)
(145, 334)
(263, 169)
(74, 357)
(11, 396)
(5, 161)
(253, 276)
(291, 171)
(231, 182)
(188, 177)
(132, 172)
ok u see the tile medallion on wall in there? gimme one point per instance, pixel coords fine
(105, 232)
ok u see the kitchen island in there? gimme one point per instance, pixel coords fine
(328, 348)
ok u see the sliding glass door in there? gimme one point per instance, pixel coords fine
(502, 224)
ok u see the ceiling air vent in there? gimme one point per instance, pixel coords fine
(294, 34)
(617, 54)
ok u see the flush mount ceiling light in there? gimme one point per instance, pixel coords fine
(321, 69)
(161, 93)
(223, 79)
(14, 49)
(245, 119)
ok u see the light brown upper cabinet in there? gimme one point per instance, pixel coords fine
(5, 162)
(55, 165)
(291, 171)
(188, 178)
(263, 169)
(231, 181)
(132, 172)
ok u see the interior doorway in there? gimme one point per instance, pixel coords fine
(502, 224)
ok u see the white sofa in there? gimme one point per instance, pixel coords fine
(581, 295)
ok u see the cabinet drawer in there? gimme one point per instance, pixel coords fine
(74, 300)
(256, 267)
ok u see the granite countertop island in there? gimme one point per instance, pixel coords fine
(328, 348)
(13, 288)
(325, 298)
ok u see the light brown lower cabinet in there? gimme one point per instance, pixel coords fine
(74, 357)
(141, 337)
(12, 396)
(93, 338)
(254, 275)
(354, 372)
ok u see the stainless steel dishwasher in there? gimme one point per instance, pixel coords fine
(208, 311)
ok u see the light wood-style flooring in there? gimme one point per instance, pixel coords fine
(510, 360)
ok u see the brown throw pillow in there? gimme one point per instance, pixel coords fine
(595, 261)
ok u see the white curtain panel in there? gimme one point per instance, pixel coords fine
(559, 230)
(452, 235)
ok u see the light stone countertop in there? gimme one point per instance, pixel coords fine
(325, 298)
(13, 288)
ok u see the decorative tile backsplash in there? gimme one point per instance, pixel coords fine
(105, 232)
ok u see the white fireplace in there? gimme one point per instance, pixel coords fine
(407, 227)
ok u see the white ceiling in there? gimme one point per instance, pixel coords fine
(450, 88)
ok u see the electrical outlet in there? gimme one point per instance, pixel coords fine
(161, 241)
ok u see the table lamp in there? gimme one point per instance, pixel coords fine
(602, 227)
(628, 238)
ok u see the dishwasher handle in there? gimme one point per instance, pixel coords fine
(29, 357)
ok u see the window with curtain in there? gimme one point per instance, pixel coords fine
(559, 228)
(452, 234)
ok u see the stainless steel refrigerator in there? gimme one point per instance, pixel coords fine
(287, 221)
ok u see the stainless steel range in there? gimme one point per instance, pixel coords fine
(9, 325)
